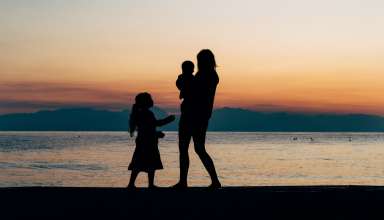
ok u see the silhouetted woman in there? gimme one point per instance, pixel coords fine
(195, 114)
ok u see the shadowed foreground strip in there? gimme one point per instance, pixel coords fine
(282, 202)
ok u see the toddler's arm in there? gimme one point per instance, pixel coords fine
(179, 82)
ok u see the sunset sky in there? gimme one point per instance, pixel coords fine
(275, 55)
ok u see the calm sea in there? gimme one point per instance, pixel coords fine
(242, 159)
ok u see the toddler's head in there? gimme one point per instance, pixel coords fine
(187, 67)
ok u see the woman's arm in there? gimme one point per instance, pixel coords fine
(165, 121)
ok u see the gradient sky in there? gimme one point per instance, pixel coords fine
(276, 55)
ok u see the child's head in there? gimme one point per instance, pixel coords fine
(187, 67)
(144, 100)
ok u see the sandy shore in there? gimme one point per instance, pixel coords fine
(271, 202)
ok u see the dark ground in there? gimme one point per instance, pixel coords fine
(271, 202)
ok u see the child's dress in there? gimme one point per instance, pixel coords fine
(146, 156)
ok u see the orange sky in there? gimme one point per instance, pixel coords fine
(306, 56)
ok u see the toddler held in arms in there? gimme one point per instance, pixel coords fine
(146, 157)
(185, 79)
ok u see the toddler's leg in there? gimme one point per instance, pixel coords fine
(134, 174)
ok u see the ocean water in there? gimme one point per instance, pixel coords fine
(241, 159)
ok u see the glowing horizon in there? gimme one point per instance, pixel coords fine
(305, 56)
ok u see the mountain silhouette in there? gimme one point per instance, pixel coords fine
(234, 119)
(74, 119)
(223, 119)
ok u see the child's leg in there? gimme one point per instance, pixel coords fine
(134, 174)
(151, 178)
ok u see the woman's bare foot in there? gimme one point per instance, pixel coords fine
(180, 185)
(215, 185)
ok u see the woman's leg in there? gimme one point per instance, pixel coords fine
(132, 180)
(199, 142)
(184, 140)
(184, 158)
(151, 178)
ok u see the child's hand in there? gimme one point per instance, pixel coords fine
(171, 117)
(160, 134)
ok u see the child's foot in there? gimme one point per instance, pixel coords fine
(153, 187)
(180, 185)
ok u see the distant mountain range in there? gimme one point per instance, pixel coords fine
(223, 119)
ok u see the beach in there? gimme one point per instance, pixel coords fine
(100, 159)
(70, 175)
(263, 202)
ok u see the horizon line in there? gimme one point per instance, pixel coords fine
(175, 110)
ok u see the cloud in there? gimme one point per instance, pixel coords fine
(19, 90)
(27, 96)
(33, 96)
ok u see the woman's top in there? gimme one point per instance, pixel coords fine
(204, 89)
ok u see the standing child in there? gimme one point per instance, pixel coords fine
(146, 156)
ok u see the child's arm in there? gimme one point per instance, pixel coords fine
(165, 121)
(132, 126)
(160, 134)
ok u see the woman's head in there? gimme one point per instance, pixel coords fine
(143, 100)
(206, 60)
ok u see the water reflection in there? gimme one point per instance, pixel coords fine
(101, 159)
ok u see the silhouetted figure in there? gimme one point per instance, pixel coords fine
(184, 80)
(196, 110)
(146, 156)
